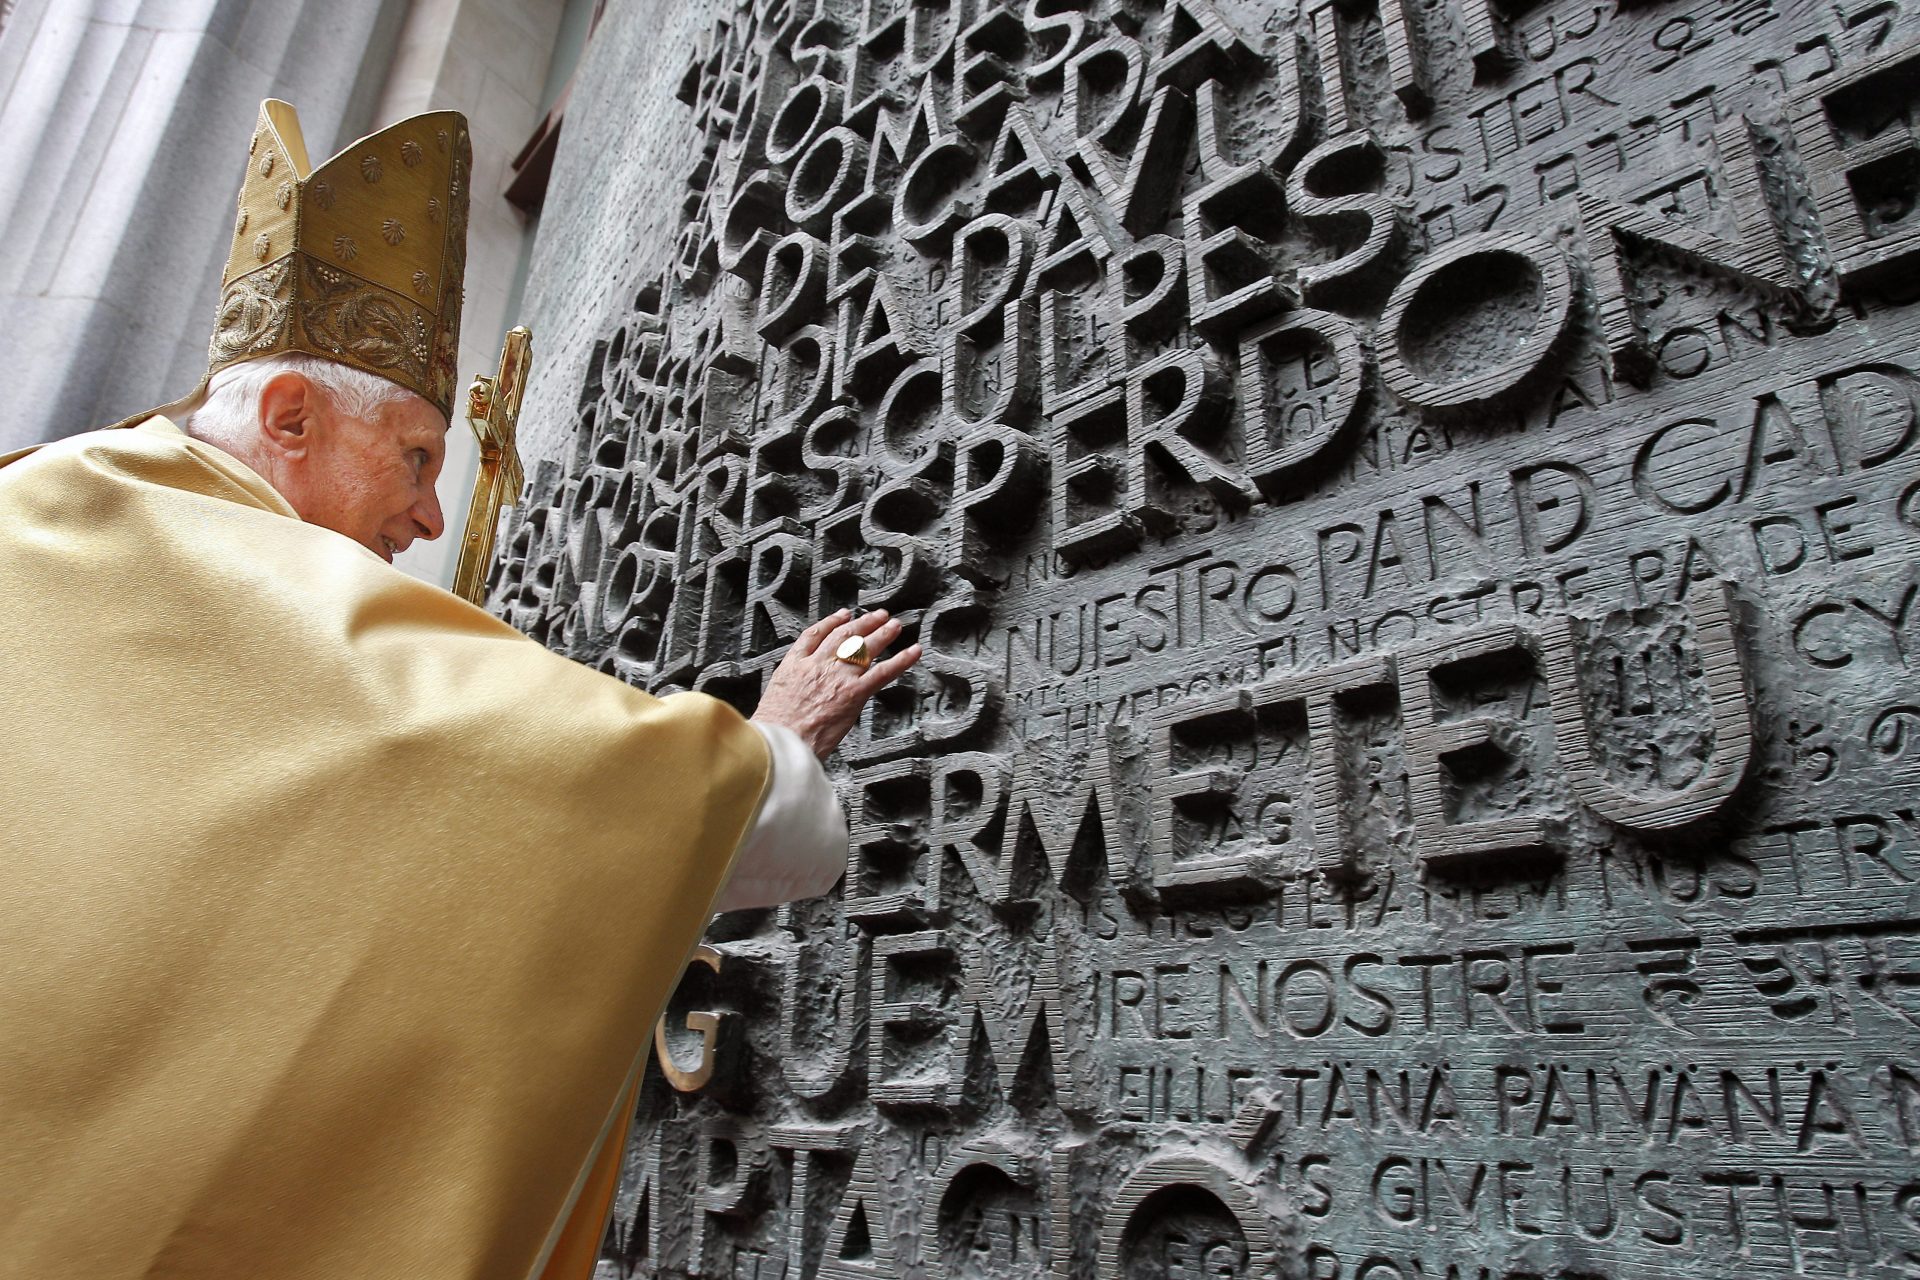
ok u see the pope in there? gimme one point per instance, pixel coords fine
(338, 914)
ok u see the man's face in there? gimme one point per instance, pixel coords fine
(369, 479)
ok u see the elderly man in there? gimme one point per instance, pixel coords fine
(338, 914)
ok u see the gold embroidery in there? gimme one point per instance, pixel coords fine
(346, 317)
(341, 315)
(254, 314)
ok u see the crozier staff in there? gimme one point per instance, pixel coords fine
(338, 913)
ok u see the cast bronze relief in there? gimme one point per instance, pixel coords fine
(1411, 509)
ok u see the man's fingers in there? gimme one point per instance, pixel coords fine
(859, 626)
(809, 641)
(868, 623)
(883, 635)
(881, 674)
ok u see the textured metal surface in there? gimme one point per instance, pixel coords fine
(1411, 508)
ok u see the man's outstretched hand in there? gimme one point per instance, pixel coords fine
(817, 695)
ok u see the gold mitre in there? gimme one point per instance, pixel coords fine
(360, 261)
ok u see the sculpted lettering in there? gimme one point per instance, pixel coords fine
(1410, 513)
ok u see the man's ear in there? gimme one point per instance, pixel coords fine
(290, 414)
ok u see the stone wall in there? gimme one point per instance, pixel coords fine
(1411, 510)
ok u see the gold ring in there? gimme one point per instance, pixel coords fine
(854, 652)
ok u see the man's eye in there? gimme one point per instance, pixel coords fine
(419, 460)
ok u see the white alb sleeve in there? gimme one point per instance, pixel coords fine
(797, 846)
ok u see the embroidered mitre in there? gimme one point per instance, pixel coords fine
(360, 260)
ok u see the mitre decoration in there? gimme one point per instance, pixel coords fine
(360, 260)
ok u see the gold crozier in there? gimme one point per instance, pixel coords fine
(493, 409)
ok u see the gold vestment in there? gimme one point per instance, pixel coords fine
(337, 912)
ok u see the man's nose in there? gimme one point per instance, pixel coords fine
(427, 517)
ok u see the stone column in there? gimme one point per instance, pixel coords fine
(123, 124)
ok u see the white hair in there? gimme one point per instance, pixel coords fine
(230, 410)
